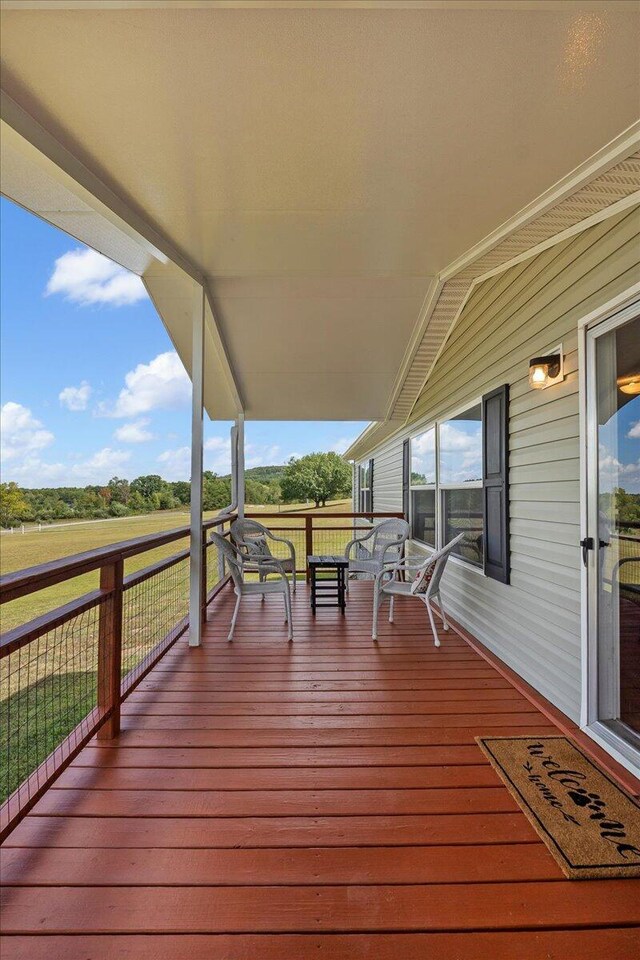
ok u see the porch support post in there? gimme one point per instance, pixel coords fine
(240, 463)
(196, 594)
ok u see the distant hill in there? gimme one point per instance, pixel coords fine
(262, 474)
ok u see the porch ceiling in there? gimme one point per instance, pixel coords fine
(318, 167)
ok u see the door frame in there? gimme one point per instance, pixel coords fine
(620, 308)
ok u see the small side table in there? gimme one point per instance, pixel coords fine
(328, 589)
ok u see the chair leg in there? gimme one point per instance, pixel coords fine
(436, 638)
(234, 618)
(288, 614)
(442, 612)
(391, 608)
(262, 579)
(376, 607)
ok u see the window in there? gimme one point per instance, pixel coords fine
(460, 482)
(364, 477)
(423, 487)
(446, 484)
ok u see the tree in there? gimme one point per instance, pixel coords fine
(182, 491)
(148, 485)
(120, 490)
(13, 505)
(317, 477)
(256, 492)
(216, 491)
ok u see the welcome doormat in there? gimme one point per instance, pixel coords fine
(589, 824)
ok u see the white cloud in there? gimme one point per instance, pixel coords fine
(21, 433)
(75, 398)
(31, 471)
(101, 466)
(634, 432)
(452, 439)
(161, 383)
(134, 432)
(342, 444)
(263, 455)
(176, 464)
(86, 277)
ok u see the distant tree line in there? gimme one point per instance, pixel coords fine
(317, 477)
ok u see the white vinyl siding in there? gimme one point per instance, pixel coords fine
(533, 624)
(387, 477)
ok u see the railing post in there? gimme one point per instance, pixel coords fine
(204, 577)
(110, 648)
(308, 541)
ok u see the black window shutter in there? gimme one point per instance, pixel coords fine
(370, 484)
(495, 483)
(406, 477)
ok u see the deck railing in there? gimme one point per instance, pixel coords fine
(65, 673)
(323, 533)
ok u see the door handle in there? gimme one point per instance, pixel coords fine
(586, 544)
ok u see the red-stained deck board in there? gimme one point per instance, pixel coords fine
(612, 943)
(345, 908)
(324, 798)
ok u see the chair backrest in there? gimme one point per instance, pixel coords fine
(388, 539)
(231, 557)
(250, 537)
(429, 574)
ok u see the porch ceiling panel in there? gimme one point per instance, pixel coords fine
(320, 166)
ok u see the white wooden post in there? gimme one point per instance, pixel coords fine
(197, 384)
(240, 463)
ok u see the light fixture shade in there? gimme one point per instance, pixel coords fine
(544, 370)
(629, 384)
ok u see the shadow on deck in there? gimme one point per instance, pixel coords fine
(324, 798)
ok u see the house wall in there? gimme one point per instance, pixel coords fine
(533, 624)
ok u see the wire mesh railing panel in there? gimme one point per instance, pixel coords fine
(214, 563)
(296, 536)
(154, 612)
(332, 541)
(48, 704)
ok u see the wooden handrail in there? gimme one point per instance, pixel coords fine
(368, 515)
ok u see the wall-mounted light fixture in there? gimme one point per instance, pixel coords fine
(546, 370)
(629, 384)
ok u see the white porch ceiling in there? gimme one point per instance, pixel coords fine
(318, 167)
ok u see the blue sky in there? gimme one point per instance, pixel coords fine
(90, 384)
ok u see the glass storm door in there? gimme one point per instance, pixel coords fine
(612, 550)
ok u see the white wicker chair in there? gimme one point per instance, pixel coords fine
(425, 585)
(387, 540)
(252, 540)
(243, 588)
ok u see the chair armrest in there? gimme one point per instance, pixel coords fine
(403, 564)
(352, 543)
(292, 549)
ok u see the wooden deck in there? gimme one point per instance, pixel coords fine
(322, 799)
